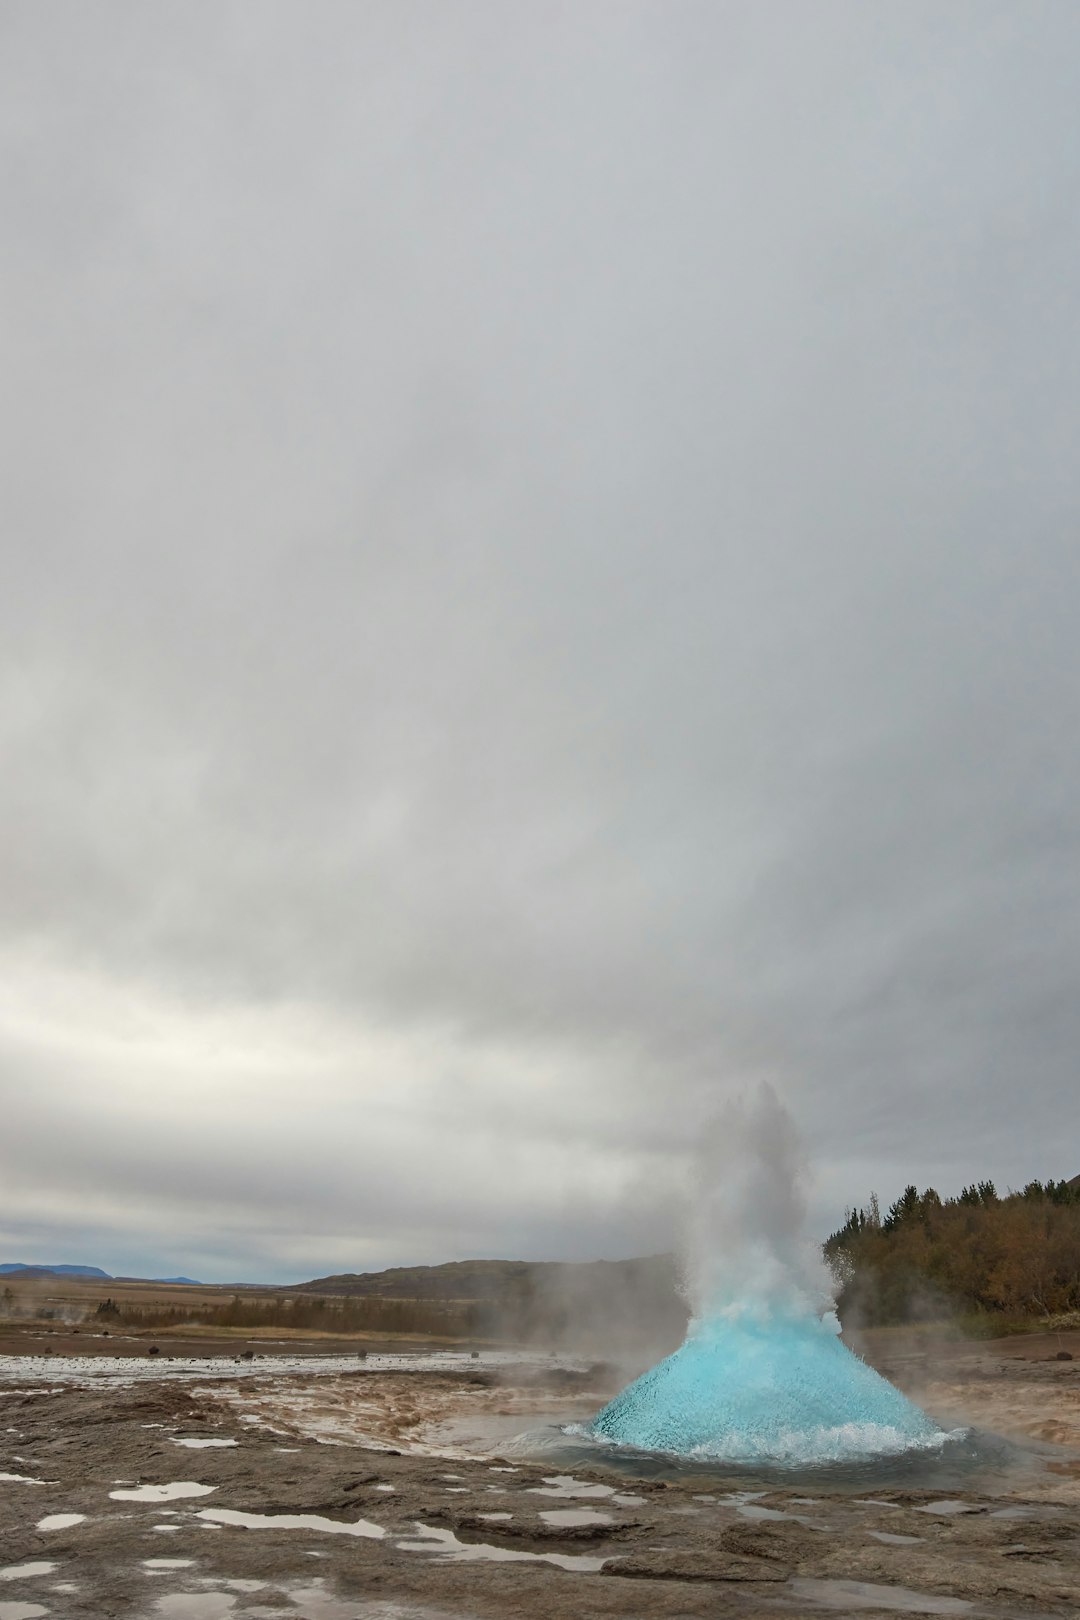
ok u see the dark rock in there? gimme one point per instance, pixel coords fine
(694, 1566)
(469, 1526)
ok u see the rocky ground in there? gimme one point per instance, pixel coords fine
(111, 1514)
(1026, 1385)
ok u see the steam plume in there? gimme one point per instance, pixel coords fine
(746, 1247)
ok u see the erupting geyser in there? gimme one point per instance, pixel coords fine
(762, 1374)
(778, 1388)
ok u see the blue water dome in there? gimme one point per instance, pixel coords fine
(766, 1387)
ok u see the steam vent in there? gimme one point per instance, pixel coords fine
(783, 1389)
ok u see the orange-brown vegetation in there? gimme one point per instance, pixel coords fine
(995, 1260)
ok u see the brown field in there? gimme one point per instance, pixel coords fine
(61, 1315)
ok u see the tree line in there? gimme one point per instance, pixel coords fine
(978, 1254)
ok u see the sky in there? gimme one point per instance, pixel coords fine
(541, 587)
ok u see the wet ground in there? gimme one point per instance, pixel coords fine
(402, 1490)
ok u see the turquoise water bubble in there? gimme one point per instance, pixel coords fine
(776, 1387)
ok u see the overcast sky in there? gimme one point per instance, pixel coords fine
(541, 583)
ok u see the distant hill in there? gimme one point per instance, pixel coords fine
(190, 1282)
(16, 1267)
(586, 1305)
(491, 1279)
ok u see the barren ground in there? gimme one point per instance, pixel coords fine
(407, 1534)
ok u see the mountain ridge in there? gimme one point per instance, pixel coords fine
(19, 1269)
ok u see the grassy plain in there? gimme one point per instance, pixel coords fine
(94, 1316)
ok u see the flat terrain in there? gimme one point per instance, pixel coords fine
(35, 1340)
(59, 1316)
(295, 1511)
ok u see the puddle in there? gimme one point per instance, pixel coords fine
(316, 1603)
(194, 1605)
(565, 1485)
(20, 1479)
(950, 1507)
(168, 1563)
(894, 1541)
(165, 1527)
(446, 1546)
(20, 1611)
(382, 1488)
(60, 1521)
(201, 1444)
(569, 1516)
(290, 1521)
(313, 1602)
(163, 1493)
(25, 1572)
(867, 1595)
(755, 1511)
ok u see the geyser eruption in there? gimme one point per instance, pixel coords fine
(762, 1374)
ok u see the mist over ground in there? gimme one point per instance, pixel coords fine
(540, 586)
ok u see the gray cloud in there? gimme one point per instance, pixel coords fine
(541, 583)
